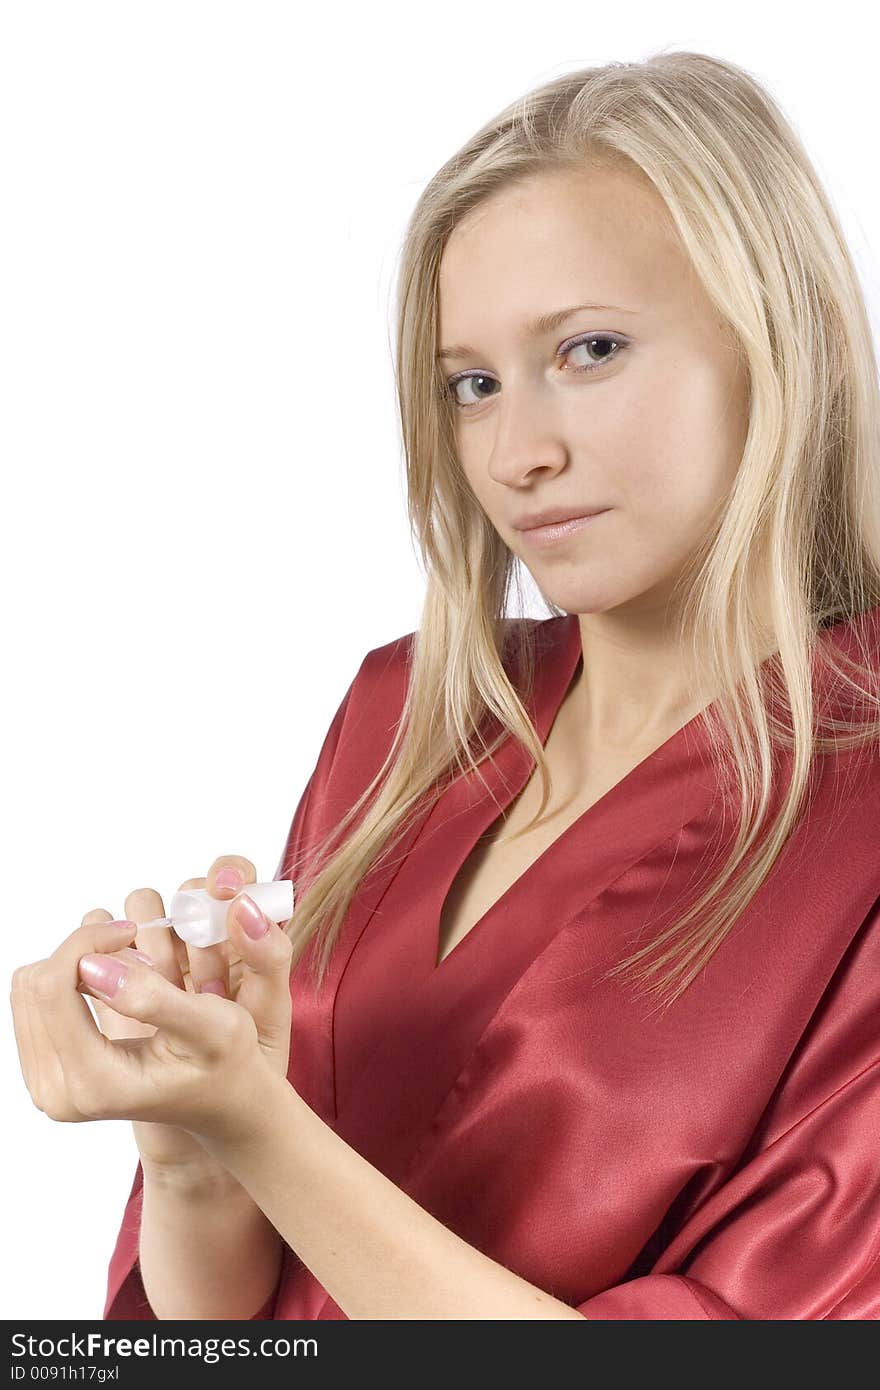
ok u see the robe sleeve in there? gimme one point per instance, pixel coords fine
(794, 1234)
(126, 1297)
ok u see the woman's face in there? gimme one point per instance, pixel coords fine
(652, 429)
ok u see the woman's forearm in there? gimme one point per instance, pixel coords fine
(206, 1249)
(376, 1251)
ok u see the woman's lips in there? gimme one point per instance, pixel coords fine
(559, 530)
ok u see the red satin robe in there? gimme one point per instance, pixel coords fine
(721, 1160)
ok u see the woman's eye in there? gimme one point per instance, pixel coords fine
(607, 346)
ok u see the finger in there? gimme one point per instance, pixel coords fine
(100, 914)
(264, 989)
(187, 1021)
(97, 914)
(61, 1015)
(112, 1024)
(208, 965)
(229, 874)
(144, 905)
(132, 953)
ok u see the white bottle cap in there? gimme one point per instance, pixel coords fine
(201, 920)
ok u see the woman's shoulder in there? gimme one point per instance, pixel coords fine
(384, 671)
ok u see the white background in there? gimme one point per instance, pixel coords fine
(204, 526)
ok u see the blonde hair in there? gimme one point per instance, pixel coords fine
(804, 509)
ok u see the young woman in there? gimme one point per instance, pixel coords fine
(576, 1015)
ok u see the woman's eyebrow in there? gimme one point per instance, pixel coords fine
(545, 323)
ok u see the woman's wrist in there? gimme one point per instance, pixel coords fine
(205, 1250)
(194, 1178)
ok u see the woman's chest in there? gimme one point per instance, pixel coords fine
(512, 844)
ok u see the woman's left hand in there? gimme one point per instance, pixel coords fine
(198, 1071)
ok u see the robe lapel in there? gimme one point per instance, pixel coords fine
(311, 1069)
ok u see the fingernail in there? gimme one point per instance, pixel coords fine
(251, 918)
(121, 922)
(229, 878)
(213, 987)
(102, 973)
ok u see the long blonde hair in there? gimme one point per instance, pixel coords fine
(804, 508)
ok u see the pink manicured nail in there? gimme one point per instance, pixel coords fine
(229, 878)
(251, 918)
(102, 973)
(213, 987)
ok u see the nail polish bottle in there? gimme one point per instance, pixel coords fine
(200, 920)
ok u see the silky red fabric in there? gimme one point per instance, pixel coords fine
(720, 1159)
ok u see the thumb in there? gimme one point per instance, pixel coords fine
(137, 991)
(264, 990)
